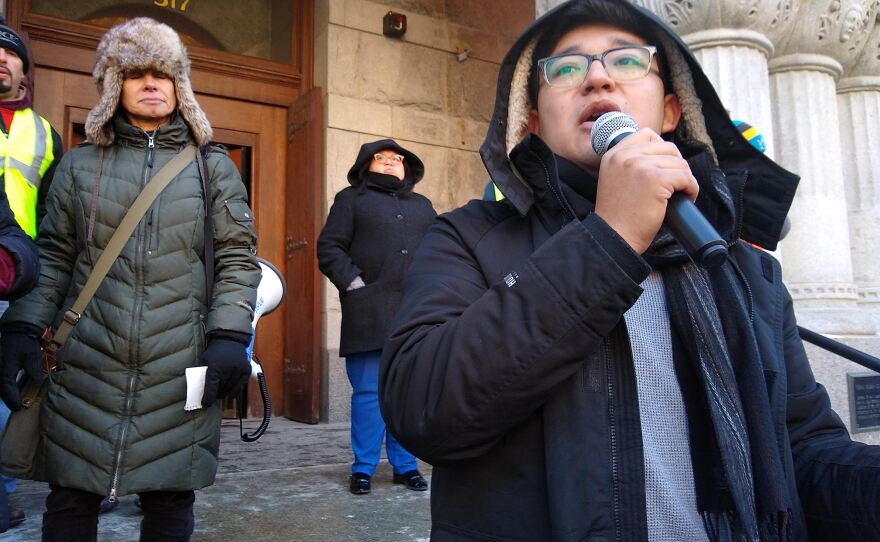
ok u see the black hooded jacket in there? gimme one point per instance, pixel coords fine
(508, 366)
(372, 231)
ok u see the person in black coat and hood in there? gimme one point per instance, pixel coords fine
(365, 248)
(566, 368)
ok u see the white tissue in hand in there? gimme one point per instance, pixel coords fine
(195, 387)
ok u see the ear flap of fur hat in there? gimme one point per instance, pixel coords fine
(142, 43)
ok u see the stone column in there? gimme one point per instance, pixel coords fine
(731, 40)
(735, 60)
(858, 99)
(818, 264)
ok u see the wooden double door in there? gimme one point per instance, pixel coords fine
(278, 148)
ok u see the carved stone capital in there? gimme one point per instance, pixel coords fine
(834, 28)
(769, 17)
(867, 63)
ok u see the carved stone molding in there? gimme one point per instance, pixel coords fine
(769, 17)
(822, 290)
(869, 295)
(806, 62)
(728, 37)
(835, 28)
(865, 83)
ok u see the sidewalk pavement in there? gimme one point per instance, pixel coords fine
(291, 485)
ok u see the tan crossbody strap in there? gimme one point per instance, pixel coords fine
(120, 237)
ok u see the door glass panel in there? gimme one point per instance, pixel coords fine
(256, 28)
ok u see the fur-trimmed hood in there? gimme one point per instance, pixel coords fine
(142, 43)
(770, 190)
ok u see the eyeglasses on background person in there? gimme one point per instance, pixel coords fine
(395, 158)
(621, 63)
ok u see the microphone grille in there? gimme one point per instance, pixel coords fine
(607, 127)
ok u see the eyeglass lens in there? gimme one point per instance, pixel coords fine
(396, 158)
(622, 64)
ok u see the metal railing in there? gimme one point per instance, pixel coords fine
(837, 347)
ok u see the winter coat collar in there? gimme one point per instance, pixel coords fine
(385, 183)
(173, 135)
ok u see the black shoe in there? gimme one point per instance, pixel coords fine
(16, 517)
(107, 505)
(413, 480)
(359, 484)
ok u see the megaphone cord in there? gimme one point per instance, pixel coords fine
(267, 412)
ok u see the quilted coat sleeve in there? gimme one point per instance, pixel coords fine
(236, 272)
(838, 479)
(56, 242)
(467, 361)
(335, 240)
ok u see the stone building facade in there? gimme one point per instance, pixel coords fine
(431, 90)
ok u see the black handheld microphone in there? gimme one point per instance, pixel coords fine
(691, 229)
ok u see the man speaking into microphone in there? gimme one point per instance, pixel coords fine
(570, 369)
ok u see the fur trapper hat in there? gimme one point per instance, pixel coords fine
(142, 43)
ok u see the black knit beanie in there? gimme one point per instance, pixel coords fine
(10, 40)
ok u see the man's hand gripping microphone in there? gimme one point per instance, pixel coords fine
(690, 228)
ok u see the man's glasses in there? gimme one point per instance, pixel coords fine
(381, 158)
(621, 64)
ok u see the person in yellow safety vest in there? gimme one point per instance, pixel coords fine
(30, 148)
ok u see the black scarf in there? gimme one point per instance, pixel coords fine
(386, 183)
(739, 478)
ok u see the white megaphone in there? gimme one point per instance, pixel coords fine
(270, 292)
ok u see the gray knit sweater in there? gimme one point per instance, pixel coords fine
(669, 479)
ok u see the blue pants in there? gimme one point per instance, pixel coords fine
(367, 425)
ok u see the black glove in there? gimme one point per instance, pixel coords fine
(19, 349)
(228, 369)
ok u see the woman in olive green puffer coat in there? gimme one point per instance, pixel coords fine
(114, 420)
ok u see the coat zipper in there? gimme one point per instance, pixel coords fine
(612, 440)
(132, 377)
(749, 297)
(129, 391)
(567, 212)
(566, 209)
